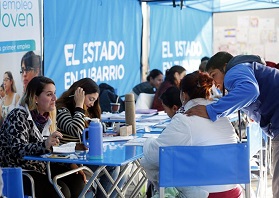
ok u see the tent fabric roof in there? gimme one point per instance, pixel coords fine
(219, 5)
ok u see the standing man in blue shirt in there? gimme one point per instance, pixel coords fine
(253, 88)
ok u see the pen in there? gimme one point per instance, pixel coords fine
(79, 138)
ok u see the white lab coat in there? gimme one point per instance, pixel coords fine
(188, 131)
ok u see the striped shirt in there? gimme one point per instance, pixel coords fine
(69, 124)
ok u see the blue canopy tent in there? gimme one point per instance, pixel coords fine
(215, 6)
(191, 22)
(99, 28)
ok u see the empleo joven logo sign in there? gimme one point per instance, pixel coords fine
(16, 13)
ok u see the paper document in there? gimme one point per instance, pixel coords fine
(117, 138)
(64, 148)
(135, 142)
(161, 125)
(147, 135)
(156, 118)
(121, 116)
(140, 141)
(146, 111)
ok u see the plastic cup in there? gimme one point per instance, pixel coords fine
(115, 107)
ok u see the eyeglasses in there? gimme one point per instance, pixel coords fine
(6, 79)
(27, 70)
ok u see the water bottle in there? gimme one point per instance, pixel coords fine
(94, 140)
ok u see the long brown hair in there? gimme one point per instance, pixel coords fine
(89, 87)
(34, 88)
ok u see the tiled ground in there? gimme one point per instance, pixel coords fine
(268, 193)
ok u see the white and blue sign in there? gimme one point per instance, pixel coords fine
(20, 32)
(99, 39)
(17, 46)
(179, 37)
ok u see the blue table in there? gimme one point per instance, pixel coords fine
(115, 154)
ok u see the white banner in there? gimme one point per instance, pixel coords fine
(19, 34)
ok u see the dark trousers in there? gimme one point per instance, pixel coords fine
(275, 165)
(71, 185)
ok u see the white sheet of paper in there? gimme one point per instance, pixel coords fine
(65, 148)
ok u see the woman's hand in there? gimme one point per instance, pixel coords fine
(79, 97)
(53, 139)
(74, 166)
(199, 110)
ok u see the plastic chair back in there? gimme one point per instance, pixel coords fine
(259, 172)
(254, 137)
(182, 166)
(13, 183)
(144, 101)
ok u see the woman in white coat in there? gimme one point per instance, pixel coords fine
(192, 131)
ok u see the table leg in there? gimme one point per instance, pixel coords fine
(114, 184)
(54, 180)
(94, 177)
(136, 173)
(91, 180)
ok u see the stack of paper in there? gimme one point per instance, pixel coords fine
(140, 141)
(146, 111)
(135, 142)
(65, 148)
(140, 115)
(117, 138)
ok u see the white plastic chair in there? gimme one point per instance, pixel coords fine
(144, 101)
(259, 171)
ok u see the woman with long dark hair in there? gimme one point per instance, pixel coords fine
(172, 78)
(81, 100)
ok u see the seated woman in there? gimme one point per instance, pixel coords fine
(192, 131)
(22, 134)
(172, 78)
(79, 101)
(2, 93)
(152, 83)
(9, 102)
(171, 101)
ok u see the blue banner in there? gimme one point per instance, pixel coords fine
(179, 37)
(99, 39)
